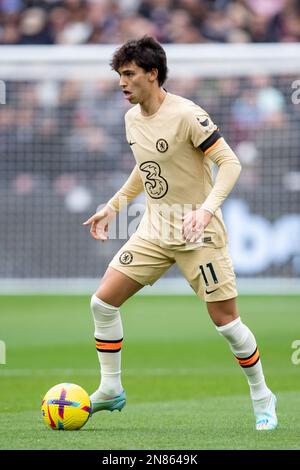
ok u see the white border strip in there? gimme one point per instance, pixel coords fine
(167, 286)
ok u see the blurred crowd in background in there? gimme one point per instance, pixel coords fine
(64, 152)
(170, 21)
(51, 128)
(63, 132)
(63, 146)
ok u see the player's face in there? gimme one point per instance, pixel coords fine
(135, 82)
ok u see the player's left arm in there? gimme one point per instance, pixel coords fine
(229, 168)
(215, 148)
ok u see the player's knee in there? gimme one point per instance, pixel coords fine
(107, 319)
(102, 309)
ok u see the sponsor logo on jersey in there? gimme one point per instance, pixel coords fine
(155, 184)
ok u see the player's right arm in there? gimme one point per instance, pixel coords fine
(100, 221)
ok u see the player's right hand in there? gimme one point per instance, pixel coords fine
(99, 223)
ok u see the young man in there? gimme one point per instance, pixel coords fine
(175, 144)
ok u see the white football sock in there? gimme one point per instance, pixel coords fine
(108, 336)
(243, 345)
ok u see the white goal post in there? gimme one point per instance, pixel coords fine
(209, 60)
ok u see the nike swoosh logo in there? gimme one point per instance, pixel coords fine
(204, 123)
(131, 143)
(210, 291)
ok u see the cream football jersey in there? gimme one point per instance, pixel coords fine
(170, 148)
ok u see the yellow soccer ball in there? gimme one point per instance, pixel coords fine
(66, 406)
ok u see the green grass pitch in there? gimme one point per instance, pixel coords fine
(184, 388)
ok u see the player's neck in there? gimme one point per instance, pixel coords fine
(153, 102)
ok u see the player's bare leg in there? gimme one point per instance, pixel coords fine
(115, 287)
(223, 312)
(242, 343)
(113, 291)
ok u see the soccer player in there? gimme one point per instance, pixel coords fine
(175, 144)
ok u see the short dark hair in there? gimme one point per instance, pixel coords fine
(146, 52)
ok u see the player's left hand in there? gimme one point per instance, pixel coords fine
(194, 224)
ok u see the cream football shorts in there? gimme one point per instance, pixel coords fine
(208, 270)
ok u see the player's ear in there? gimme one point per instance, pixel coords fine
(153, 74)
